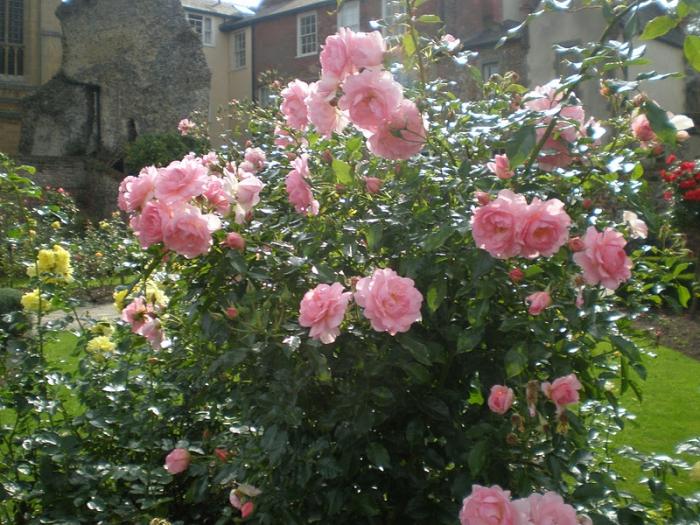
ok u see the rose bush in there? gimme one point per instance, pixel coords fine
(367, 323)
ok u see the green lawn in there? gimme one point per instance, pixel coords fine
(668, 414)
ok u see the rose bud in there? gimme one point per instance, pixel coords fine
(576, 244)
(516, 275)
(231, 312)
(587, 203)
(234, 241)
(373, 184)
(177, 461)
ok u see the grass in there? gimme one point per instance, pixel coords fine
(668, 414)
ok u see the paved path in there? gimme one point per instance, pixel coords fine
(98, 311)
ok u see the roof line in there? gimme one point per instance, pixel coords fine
(232, 25)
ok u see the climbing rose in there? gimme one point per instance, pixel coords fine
(400, 137)
(500, 167)
(488, 506)
(641, 129)
(367, 50)
(247, 196)
(538, 301)
(335, 56)
(322, 309)
(136, 314)
(325, 117)
(256, 157)
(545, 228)
(177, 461)
(298, 190)
(141, 189)
(391, 303)
(547, 508)
(500, 399)
(495, 226)
(293, 104)
(180, 181)
(603, 258)
(371, 98)
(188, 231)
(148, 225)
(563, 391)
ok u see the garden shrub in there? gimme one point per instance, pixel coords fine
(375, 313)
(10, 300)
(159, 149)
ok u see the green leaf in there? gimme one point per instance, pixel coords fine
(436, 294)
(515, 362)
(436, 239)
(519, 147)
(691, 48)
(417, 349)
(409, 45)
(469, 339)
(342, 171)
(429, 19)
(657, 27)
(477, 457)
(659, 122)
(374, 236)
(683, 295)
(378, 455)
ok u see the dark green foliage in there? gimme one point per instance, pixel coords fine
(160, 149)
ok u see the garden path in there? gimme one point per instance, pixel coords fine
(97, 311)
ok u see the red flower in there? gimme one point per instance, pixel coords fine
(687, 165)
(671, 159)
(668, 195)
(687, 184)
(692, 195)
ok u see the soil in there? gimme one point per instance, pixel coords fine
(680, 332)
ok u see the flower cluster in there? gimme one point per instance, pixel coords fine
(186, 126)
(55, 262)
(355, 88)
(570, 126)
(493, 506)
(183, 204)
(563, 391)
(390, 302)
(34, 301)
(142, 316)
(684, 178)
(643, 132)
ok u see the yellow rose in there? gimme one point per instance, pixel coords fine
(62, 257)
(32, 233)
(32, 300)
(98, 254)
(100, 345)
(104, 225)
(102, 328)
(119, 297)
(46, 261)
(155, 295)
(56, 225)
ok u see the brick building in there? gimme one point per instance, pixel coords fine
(286, 35)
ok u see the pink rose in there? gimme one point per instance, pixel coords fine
(177, 461)
(367, 50)
(641, 129)
(152, 331)
(293, 104)
(247, 196)
(547, 508)
(402, 136)
(123, 190)
(231, 312)
(495, 226)
(136, 313)
(563, 391)
(247, 509)
(482, 197)
(371, 98)
(148, 226)
(638, 228)
(554, 154)
(538, 301)
(185, 126)
(545, 228)
(500, 167)
(298, 190)
(391, 303)
(488, 506)
(335, 56)
(180, 181)
(141, 189)
(210, 159)
(217, 195)
(516, 275)
(603, 259)
(235, 500)
(188, 231)
(282, 138)
(576, 244)
(373, 184)
(256, 157)
(325, 117)
(500, 399)
(235, 241)
(323, 309)
(451, 42)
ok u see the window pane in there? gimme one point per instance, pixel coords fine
(239, 49)
(307, 35)
(16, 26)
(349, 15)
(208, 37)
(3, 20)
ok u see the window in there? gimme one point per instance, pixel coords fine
(349, 15)
(203, 26)
(239, 49)
(391, 9)
(306, 35)
(264, 96)
(488, 69)
(12, 38)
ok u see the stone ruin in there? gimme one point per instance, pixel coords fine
(129, 67)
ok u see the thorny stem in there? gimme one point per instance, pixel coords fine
(598, 48)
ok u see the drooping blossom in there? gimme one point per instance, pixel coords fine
(178, 460)
(545, 228)
(500, 399)
(563, 391)
(488, 506)
(603, 258)
(323, 309)
(247, 196)
(188, 231)
(390, 302)
(495, 226)
(538, 302)
(401, 136)
(500, 166)
(180, 181)
(370, 98)
(641, 129)
(298, 189)
(136, 313)
(294, 104)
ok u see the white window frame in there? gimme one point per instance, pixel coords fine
(204, 27)
(345, 12)
(300, 17)
(239, 52)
